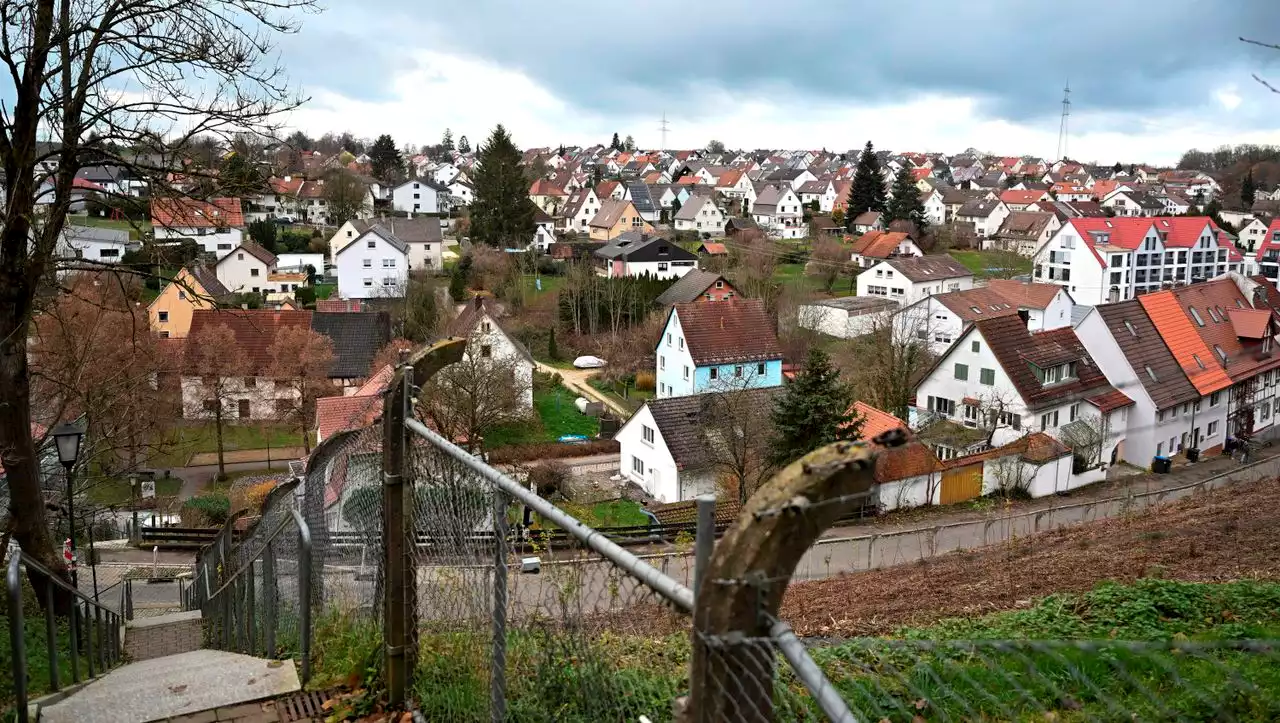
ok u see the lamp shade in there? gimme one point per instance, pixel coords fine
(67, 436)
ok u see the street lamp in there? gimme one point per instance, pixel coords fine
(67, 436)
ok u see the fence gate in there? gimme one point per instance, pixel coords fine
(961, 483)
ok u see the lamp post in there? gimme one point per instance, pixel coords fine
(67, 436)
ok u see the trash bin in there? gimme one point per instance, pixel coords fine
(1229, 446)
(1193, 454)
(1160, 465)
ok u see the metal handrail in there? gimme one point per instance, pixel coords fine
(234, 601)
(106, 654)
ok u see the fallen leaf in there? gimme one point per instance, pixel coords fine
(921, 704)
(275, 663)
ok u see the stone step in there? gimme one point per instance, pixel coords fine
(196, 687)
(156, 636)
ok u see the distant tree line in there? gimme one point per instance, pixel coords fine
(592, 304)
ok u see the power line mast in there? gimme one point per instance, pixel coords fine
(664, 127)
(1062, 129)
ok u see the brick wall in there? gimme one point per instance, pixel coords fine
(163, 635)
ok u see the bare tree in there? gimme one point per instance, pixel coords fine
(137, 83)
(830, 259)
(345, 195)
(1012, 474)
(995, 412)
(469, 398)
(300, 362)
(753, 261)
(737, 431)
(223, 366)
(1085, 435)
(885, 365)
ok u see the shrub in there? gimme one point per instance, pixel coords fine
(547, 477)
(646, 381)
(552, 450)
(210, 509)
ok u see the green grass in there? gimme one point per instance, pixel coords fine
(793, 275)
(324, 291)
(550, 285)
(556, 417)
(192, 439)
(122, 225)
(993, 264)
(34, 636)
(116, 491)
(631, 402)
(614, 513)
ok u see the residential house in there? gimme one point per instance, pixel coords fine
(422, 235)
(461, 193)
(478, 323)
(357, 337)
(420, 195)
(778, 212)
(93, 244)
(697, 285)
(1002, 378)
(700, 215)
(298, 263)
(846, 317)
(935, 211)
(907, 279)
(374, 265)
(256, 396)
(1065, 191)
(579, 210)
(1111, 259)
(823, 193)
(668, 448)
(194, 287)
(615, 218)
(867, 221)
(246, 268)
(1023, 232)
(1019, 200)
(792, 178)
(942, 318)
(1130, 204)
(985, 215)
(1253, 233)
(735, 184)
(637, 254)
(640, 196)
(216, 225)
(548, 196)
(728, 345)
(345, 413)
(875, 246)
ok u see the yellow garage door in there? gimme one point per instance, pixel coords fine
(961, 483)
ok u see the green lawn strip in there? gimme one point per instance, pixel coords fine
(993, 264)
(324, 291)
(550, 284)
(633, 401)
(556, 417)
(187, 440)
(116, 491)
(614, 513)
(133, 227)
(1011, 669)
(37, 653)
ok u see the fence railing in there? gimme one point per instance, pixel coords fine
(256, 596)
(88, 631)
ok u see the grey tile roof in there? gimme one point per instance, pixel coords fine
(1143, 347)
(357, 337)
(681, 421)
(422, 229)
(928, 268)
(688, 287)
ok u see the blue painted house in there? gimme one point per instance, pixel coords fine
(717, 347)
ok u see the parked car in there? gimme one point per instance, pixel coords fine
(589, 362)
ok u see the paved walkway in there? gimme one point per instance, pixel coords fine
(576, 381)
(278, 455)
(196, 478)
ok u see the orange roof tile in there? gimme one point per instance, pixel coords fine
(1249, 323)
(875, 421)
(1022, 197)
(190, 213)
(1179, 334)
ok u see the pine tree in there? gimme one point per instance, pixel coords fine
(1248, 190)
(553, 352)
(629, 144)
(464, 145)
(384, 160)
(615, 144)
(906, 204)
(501, 212)
(867, 191)
(816, 408)
(447, 141)
(458, 279)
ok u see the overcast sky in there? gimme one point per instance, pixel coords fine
(1148, 80)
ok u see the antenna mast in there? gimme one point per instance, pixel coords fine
(664, 127)
(1062, 129)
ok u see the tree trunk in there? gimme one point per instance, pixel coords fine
(217, 423)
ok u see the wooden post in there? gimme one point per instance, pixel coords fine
(399, 591)
(732, 666)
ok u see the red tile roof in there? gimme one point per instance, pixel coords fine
(912, 459)
(190, 213)
(255, 330)
(345, 305)
(1110, 400)
(713, 248)
(875, 421)
(1025, 295)
(1017, 349)
(543, 187)
(879, 244)
(341, 414)
(1022, 197)
(921, 173)
(729, 178)
(1179, 334)
(1249, 323)
(1182, 231)
(286, 186)
(738, 330)
(86, 184)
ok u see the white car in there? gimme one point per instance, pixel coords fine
(589, 362)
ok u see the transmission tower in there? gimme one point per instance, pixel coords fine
(664, 128)
(1062, 129)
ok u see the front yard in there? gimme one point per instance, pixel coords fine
(187, 440)
(556, 416)
(993, 264)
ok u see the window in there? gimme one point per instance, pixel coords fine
(1221, 354)
(388, 263)
(1009, 419)
(662, 362)
(486, 351)
(943, 406)
(719, 284)
(646, 432)
(1212, 430)
(163, 316)
(975, 346)
(637, 465)
(1074, 412)
(715, 373)
(686, 371)
(680, 342)
(668, 338)
(210, 405)
(368, 283)
(1215, 399)
(1049, 421)
(1198, 362)
(760, 369)
(1196, 315)
(987, 377)
(372, 245)
(250, 382)
(224, 247)
(737, 372)
(239, 257)
(962, 371)
(367, 263)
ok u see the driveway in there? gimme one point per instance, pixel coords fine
(196, 478)
(576, 381)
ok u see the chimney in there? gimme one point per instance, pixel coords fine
(288, 179)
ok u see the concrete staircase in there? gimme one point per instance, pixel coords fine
(170, 679)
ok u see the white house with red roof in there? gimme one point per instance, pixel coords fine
(1101, 260)
(217, 225)
(246, 269)
(1267, 255)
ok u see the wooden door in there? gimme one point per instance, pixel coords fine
(961, 483)
(244, 408)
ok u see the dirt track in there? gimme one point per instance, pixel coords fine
(1225, 535)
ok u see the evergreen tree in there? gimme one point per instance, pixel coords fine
(384, 160)
(906, 204)
(1248, 190)
(553, 352)
(629, 144)
(560, 151)
(867, 191)
(264, 232)
(447, 141)
(501, 212)
(816, 408)
(1117, 168)
(464, 145)
(615, 144)
(458, 279)
(237, 177)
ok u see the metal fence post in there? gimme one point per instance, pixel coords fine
(75, 642)
(269, 599)
(304, 592)
(498, 667)
(13, 582)
(251, 617)
(51, 634)
(88, 639)
(393, 534)
(705, 541)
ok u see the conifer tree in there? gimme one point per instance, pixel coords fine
(1248, 190)
(384, 160)
(502, 212)
(867, 192)
(906, 204)
(464, 145)
(816, 408)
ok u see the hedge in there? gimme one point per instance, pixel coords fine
(552, 450)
